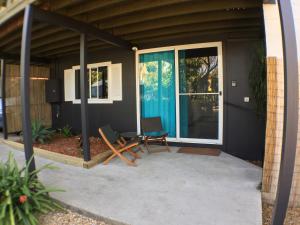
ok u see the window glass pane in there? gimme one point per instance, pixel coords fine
(77, 84)
(102, 82)
(89, 84)
(198, 69)
(157, 88)
(94, 82)
(199, 116)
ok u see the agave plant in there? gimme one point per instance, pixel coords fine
(22, 195)
(40, 133)
(66, 131)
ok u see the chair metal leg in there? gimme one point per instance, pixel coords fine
(146, 144)
(166, 143)
(134, 154)
(140, 149)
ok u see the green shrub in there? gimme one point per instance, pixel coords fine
(258, 81)
(40, 133)
(22, 195)
(66, 131)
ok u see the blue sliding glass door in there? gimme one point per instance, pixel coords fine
(157, 88)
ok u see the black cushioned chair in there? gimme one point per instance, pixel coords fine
(153, 131)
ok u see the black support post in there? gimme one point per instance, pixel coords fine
(34, 13)
(83, 94)
(291, 109)
(4, 122)
(25, 82)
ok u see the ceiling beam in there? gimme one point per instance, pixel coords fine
(17, 23)
(201, 34)
(193, 27)
(57, 45)
(10, 26)
(143, 12)
(217, 33)
(185, 19)
(145, 26)
(218, 15)
(71, 48)
(174, 10)
(173, 28)
(78, 26)
(155, 24)
(132, 7)
(91, 5)
(16, 58)
(59, 6)
(138, 40)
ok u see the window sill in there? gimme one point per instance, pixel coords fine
(94, 101)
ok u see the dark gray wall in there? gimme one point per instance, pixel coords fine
(243, 132)
(121, 115)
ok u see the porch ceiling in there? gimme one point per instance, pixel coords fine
(139, 22)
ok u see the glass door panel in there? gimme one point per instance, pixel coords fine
(199, 93)
(157, 88)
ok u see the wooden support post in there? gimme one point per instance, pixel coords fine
(291, 110)
(83, 94)
(4, 121)
(25, 82)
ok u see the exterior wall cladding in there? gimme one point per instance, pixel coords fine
(243, 132)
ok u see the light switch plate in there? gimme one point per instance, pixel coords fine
(246, 99)
(233, 83)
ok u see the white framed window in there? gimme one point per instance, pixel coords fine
(104, 83)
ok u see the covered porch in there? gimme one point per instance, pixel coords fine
(165, 188)
(130, 26)
(202, 113)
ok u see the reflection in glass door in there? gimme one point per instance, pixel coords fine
(183, 85)
(157, 88)
(199, 93)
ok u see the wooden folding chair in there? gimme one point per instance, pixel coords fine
(118, 146)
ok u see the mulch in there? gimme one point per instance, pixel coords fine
(71, 146)
(292, 218)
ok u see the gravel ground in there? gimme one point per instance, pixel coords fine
(293, 215)
(67, 218)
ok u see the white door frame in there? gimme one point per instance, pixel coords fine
(176, 48)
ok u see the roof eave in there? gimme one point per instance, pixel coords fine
(14, 9)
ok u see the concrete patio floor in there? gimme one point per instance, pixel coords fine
(165, 189)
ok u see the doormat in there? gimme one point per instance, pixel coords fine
(200, 151)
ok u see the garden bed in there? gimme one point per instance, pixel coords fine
(71, 146)
(67, 150)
